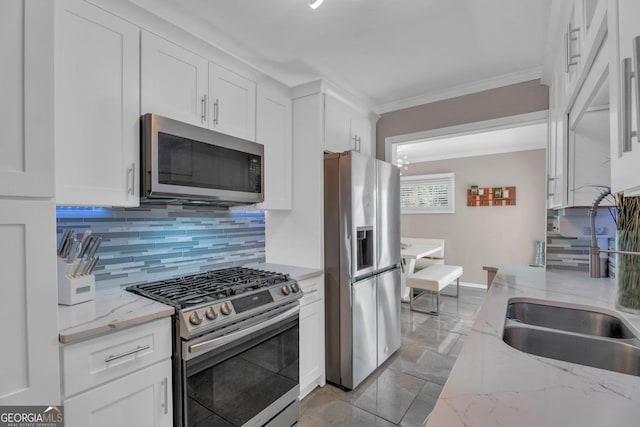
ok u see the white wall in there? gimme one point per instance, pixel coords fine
(477, 236)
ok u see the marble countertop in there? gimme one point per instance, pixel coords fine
(296, 273)
(493, 384)
(114, 308)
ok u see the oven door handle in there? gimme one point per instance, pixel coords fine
(225, 339)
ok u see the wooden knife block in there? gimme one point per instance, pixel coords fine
(74, 290)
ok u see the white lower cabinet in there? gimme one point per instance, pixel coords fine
(312, 368)
(139, 399)
(120, 379)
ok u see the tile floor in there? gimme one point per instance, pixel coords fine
(404, 390)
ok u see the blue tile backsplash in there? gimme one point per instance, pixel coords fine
(149, 243)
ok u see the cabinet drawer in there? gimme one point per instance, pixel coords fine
(313, 290)
(98, 360)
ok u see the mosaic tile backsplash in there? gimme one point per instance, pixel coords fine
(149, 243)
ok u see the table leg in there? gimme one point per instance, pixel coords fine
(408, 270)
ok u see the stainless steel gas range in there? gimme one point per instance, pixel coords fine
(235, 351)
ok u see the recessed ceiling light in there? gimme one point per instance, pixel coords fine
(314, 4)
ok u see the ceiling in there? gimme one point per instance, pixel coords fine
(520, 138)
(390, 53)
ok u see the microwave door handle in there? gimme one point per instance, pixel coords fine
(225, 339)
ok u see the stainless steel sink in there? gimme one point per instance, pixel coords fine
(558, 316)
(582, 349)
(579, 334)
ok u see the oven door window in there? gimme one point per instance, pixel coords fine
(231, 385)
(189, 163)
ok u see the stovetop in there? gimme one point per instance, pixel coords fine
(214, 299)
(187, 291)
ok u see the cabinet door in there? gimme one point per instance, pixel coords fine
(574, 57)
(589, 166)
(337, 125)
(273, 130)
(361, 130)
(232, 103)
(29, 361)
(26, 119)
(140, 399)
(625, 150)
(97, 107)
(311, 346)
(173, 81)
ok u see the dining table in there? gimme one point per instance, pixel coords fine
(409, 254)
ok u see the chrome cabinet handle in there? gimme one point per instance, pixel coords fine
(216, 108)
(203, 108)
(636, 64)
(131, 179)
(627, 133)
(165, 405)
(138, 349)
(569, 56)
(356, 142)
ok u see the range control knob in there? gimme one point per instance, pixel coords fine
(285, 290)
(210, 313)
(195, 318)
(295, 288)
(225, 309)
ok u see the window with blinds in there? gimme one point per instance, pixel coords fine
(427, 193)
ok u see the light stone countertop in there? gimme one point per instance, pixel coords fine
(493, 384)
(112, 309)
(115, 308)
(296, 273)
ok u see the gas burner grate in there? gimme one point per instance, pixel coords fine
(185, 291)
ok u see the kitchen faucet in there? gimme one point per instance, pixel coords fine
(594, 258)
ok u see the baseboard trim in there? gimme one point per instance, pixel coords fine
(474, 285)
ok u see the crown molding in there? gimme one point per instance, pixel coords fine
(465, 89)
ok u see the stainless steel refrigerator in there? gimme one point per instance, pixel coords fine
(362, 259)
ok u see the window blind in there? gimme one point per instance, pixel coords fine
(427, 193)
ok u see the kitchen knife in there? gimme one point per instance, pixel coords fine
(92, 265)
(85, 249)
(86, 262)
(84, 241)
(73, 251)
(66, 244)
(63, 240)
(78, 269)
(94, 248)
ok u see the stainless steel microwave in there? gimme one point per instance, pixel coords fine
(187, 163)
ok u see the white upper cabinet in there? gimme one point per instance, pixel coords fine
(232, 100)
(624, 60)
(337, 125)
(182, 85)
(274, 128)
(345, 128)
(97, 107)
(588, 138)
(26, 118)
(174, 81)
(556, 150)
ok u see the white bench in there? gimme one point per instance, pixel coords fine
(434, 279)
